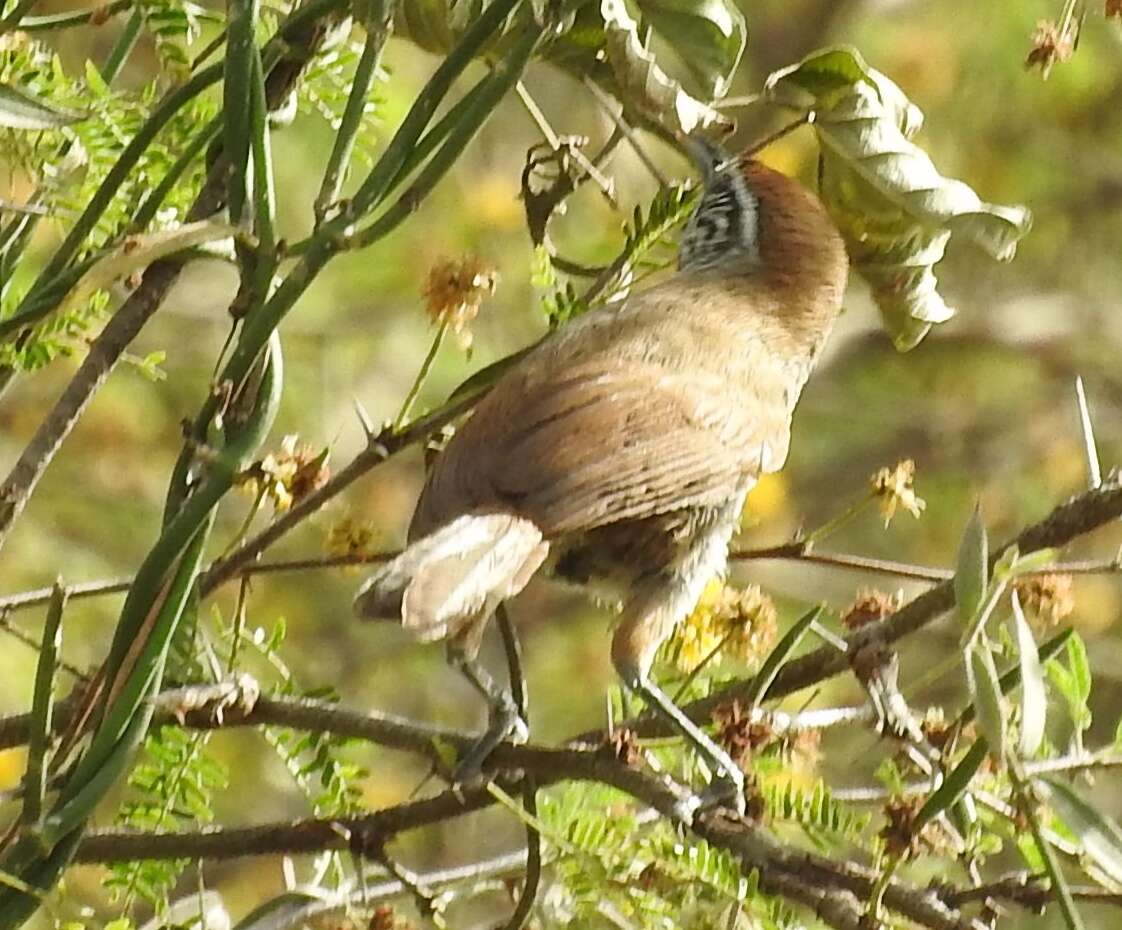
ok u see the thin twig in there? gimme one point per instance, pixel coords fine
(32, 643)
(1080, 515)
(554, 141)
(805, 878)
(512, 649)
(379, 448)
(798, 551)
(422, 375)
(615, 113)
(36, 597)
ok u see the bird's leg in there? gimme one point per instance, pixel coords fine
(504, 719)
(647, 620)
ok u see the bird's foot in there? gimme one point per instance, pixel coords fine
(725, 790)
(506, 724)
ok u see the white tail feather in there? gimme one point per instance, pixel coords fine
(455, 575)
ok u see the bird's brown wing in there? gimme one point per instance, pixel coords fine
(603, 443)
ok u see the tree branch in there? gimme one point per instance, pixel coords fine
(1080, 515)
(379, 448)
(829, 888)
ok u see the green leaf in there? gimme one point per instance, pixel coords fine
(1034, 699)
(778, 656)
(954, 785)
(1080, 667)
(1097, 833)
(21, 110)
(95, 83)
(643, 82)
(708, 35)
(971, 577)
(1025, 564)
(985, 694)
(1003, 567)
(894, 209)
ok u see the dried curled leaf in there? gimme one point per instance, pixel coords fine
(707, 35)
(139, 251)
(894, 209)
(641, 80)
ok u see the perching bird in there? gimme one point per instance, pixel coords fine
(618, 452)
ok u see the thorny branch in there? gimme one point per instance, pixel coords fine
(1078, 516)
(832, 889)
(793, 552)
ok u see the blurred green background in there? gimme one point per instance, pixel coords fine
(985, 406)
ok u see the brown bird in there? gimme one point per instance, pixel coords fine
(619, 451)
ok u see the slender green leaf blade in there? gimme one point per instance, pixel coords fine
(954, 785)
(971, 577)
(781, 653)
(1026, 564)
(1034, 698)
(1098, 834)
(22, 110)
(985, 694)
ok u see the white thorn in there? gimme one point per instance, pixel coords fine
(364, 419)
(1094, 471)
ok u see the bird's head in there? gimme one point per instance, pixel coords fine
(756, 221)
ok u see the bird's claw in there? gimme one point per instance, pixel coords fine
(725, 790)
(506, 724)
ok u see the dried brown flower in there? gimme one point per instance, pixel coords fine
(1112, 8)
(1050, 597)
(899, 833)
(1052, 44)
(935, 728)
(870, 606)
(287, 476)
(382, 918)
(893, 488)
(453, 292)
(624, 747)
(737, 732)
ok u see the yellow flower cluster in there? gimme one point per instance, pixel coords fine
(727, 622)
(348, 537)
(892, 487)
